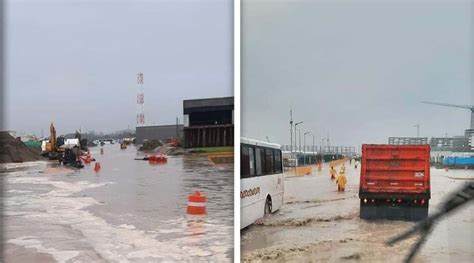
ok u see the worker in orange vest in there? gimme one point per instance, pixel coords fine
(341, 182)
(343, 169)
(333, 172)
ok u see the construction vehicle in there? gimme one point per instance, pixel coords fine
(395, 182)
(51, 148)
(123, 146)
(67, 152)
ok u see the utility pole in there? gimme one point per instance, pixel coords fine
(304, 147)
(296, 124)
(291, 132)
(299, 140)
(177, 130)
(417, 130)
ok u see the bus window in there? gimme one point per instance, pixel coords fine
(269, 161)
(251, 161)
(244, 162)
(277, 161)
(259, 161)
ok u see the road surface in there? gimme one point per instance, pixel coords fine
(128, 212)
(319, 224)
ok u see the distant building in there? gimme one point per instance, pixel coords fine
(158, 132)
(407, 140)
(451, 144)
(208, 122)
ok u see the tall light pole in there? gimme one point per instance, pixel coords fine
(299, 140)
(291, 132)
(304, 147)
(296, 124)
(417, 130)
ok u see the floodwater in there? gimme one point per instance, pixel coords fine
(129, 211)
(319, 224)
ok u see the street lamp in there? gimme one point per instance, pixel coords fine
(296, 124)
(417, 130)
(304, 147)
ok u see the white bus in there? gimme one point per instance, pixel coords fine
(261, 180)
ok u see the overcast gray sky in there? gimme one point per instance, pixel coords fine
(357, 70)
(75, 62)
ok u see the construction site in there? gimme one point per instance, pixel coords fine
(342, 204)
(125, 196)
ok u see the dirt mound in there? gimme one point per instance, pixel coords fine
(150, 145)
(15, 151)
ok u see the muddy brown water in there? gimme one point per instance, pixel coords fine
(128, 211)
(319, 224)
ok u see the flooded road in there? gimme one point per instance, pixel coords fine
(319, 224)
(128, 211)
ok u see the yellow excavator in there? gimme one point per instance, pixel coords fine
(65, 155)
(53, 151)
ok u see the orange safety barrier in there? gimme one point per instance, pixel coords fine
(304, 170)
(196, 204)
(337, 162)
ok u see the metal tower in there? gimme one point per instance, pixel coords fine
(469, 107)
(140, 101)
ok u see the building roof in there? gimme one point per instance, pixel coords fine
(208, 102)
(158, 126)
(259, 143)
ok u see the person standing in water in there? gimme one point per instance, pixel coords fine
(333, 172)
(341, 182)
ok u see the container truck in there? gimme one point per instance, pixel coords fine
(395, 181)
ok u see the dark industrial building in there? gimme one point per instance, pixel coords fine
(208, 122)
(160, 132)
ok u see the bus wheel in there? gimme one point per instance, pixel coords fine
(268, 206)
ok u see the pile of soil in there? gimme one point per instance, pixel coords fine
(15, 151)
(150, 145)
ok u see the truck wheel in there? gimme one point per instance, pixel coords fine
(268, 206)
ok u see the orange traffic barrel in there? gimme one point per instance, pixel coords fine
(196, 204)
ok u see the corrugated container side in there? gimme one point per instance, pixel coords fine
(395, 169)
